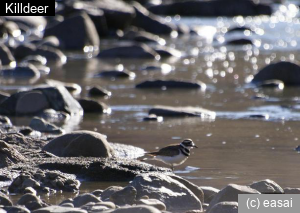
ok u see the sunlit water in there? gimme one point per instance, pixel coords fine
(233, 148)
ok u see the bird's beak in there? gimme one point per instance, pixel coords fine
(195, 146)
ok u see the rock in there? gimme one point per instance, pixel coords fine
(224, 207)
(143, 36)
(91, 106)
(118, 14)
(36, 60)
(50, 53)
(80, 144)
(98, 91)
(99, 20)
(152, 202)
(59, 209)
(164, 51)
(171, 84)
(30, 21)
(116, 74)
(6, 57)
(230, 193)
(153, 117)
(150, 22)
(276, 84)
(125, 196)
(9, 28)
(287, 72)
(83, 199)
(4, 200)
(67, 201)
(194, 188)
(73, 88)
(9, 155)
(135, 51)
(53, 116)
(75, 32)
(41, 125)
(5, 121)
(109, 191)
(31, 102)
(241, 41)
(31, 202)
(171, 192)
(212, 8)
(50, 41)
(21, 72)
(29, 190)
(3, 95)
(167, 111)
(289, 190)
(16, 209)
(136, 209)
(97, 192)
(267, 187)
(94, 207)
(209, 193)
(30, 183)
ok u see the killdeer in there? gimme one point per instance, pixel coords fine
(174, 154)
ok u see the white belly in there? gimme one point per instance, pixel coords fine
(175, 161)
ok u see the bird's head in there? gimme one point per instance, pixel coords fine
(188, 143)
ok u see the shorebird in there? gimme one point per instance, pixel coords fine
(174, 154)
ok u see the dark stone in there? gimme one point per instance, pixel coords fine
(58, 98)
(142, 36)
(91, 106)
(36, 60)
(98, 91)
(171, 84)
(153, 117)
(167, 111)
(31, 202)
(50, 41)
(275, 84)
(10, 28)
(32, 22)
(164, 51)
(150, 22)
(80, 143)
(238, 29)
(53, 116)
(241, 41)
(109, 191)
(3, 96)
(41, 125)
(224, 207)
(83, 199)
(287, 72)
(5, 121)
(4, 200)
(125, 196)
(75, 32)
(71, 87)
(6, 56)
(21, 72)
(212, 8)
(16, 209)
(116, 74)
(129, 51)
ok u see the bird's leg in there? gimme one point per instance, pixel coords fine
(172, 167)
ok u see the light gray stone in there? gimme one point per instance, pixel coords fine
(267, 187)
(224, 207)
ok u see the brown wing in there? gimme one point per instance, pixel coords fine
(167, 151)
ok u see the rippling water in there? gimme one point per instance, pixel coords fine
(250, 139)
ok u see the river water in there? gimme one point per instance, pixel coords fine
(234, 147)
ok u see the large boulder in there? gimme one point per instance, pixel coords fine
(27, 72)
(31, 202)
(80, 144)
(212, 8)
(224, 207)
(9, 155)
(168, 111)
(230, 193)
(75, 32)
(4, 200)
(129, 51)
(57, 98)
(118, 14)
(31, 102)
(174, 194)
(287, 72)
(176, 84)
(267, 187)
(150, 22)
